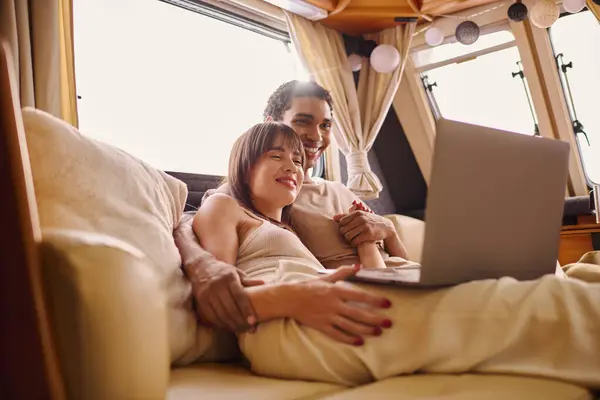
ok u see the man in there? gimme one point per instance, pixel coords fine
(319, 216)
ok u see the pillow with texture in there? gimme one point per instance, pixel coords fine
(84, 184)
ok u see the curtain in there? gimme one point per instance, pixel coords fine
(594, 8)
(40, 37)
(359, 112)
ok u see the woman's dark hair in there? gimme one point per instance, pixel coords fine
(247, 151)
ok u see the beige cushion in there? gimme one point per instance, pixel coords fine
(87, 185)
(109, 322)
(412, 234)
(230, 382)
(465, 387)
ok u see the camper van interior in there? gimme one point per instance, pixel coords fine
(130, 270)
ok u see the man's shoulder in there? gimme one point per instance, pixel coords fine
(328, 194)
(336, 185)
(338, 188)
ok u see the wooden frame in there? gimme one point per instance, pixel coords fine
(548, 97)
(30, 368)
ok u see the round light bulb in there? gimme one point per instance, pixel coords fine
(385, 58)
(573, 6)
(467, 32)
(544, 13)
(434, 36)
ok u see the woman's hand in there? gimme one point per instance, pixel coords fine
(342, 312)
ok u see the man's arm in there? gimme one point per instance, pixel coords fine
(213, 279)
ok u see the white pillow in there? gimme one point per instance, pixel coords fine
(83, 184)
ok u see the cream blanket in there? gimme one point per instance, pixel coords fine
(548, 328)
(586, 269)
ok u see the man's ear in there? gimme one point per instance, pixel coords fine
(269, 119)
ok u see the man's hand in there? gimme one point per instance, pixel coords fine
(220, 298)
(218, 288)
(361, 226)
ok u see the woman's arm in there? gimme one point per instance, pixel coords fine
(216, 224)
(342, 312)
(368, 252)
(217, 285)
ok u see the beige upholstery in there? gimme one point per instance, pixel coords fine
(87, 185)
(231, 382)
(109, 317)
(103, 300)
(465, 387)
(412, 234)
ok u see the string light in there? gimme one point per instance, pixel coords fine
(458, 17)
(542, 15)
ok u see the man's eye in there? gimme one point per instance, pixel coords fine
(301, 122)
(326, 126)
(299, 162)
(276, 157)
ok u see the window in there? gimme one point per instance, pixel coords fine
(430, 55)
(479, 85)
(170, 85)
(575, 37)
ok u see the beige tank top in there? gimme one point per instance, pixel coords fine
(268, 249)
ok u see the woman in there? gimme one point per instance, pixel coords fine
(495, 326)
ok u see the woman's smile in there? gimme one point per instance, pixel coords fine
(288, 181)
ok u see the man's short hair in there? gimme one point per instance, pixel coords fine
(281, 99)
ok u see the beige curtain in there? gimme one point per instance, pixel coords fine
(359, 112)
(40, 36)
(594, 8)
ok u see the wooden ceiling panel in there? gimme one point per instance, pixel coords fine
(328, 5)
(437, 7)
(365, 16)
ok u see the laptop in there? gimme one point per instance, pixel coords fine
(494, 208)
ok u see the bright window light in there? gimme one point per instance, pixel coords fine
(171, 86)
(484, 92)
(577, 37)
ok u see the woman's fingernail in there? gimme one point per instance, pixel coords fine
(377, 331)
(359, 342)
(386, 303)
(386, 323)
(251, 320)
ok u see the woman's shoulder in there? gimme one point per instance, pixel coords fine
(222, 205)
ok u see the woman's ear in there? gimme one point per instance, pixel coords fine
(269, 119)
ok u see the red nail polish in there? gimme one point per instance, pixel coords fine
(386, 303)
(377, 331)
(386, 323)
(359, 342)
